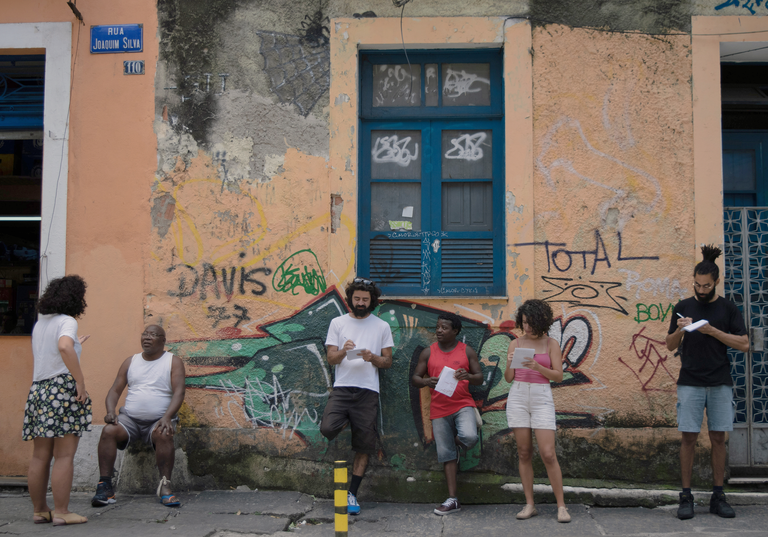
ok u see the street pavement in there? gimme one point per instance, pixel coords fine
(279, 513)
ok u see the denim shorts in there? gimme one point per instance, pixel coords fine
(691, 402)
(462, 424)
(530, 406)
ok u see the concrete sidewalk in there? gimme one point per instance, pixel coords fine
(277, 513)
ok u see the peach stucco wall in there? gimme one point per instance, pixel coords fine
(112, 157)
(612, 179)
(613, 155)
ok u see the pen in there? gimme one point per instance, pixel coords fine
(680, 316)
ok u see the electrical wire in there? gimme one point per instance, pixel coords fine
(638, 32)
(743, 52)
(402, 40)
(44, 256)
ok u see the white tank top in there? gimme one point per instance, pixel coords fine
(149, 387)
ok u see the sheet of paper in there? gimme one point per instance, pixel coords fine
(408, 212)
(695, 326)
(519, 356)
(355, 354)
(446, 384)
(400, 224)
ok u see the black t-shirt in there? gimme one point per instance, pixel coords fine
(705, 358)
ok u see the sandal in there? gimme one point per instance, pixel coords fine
(43, 517)
(169, 500)
(69, 518)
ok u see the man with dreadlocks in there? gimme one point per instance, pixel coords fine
(358, 345)
(705, 376)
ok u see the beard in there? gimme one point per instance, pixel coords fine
(705, 298)
(361, 311)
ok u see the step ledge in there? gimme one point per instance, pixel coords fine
(747, 480)
(13, 482)
(735, 498)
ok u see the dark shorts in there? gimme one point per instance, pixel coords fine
(53, 412)
(139, 429)
(358, 407)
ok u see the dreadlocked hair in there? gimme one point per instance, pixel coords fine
(710, 253)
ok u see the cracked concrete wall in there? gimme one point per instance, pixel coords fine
(236, 221)
(254, 213)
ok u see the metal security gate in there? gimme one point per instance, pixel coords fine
(746, 284)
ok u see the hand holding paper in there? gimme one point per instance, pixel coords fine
(447, 382)
(355, 354)
(519, 356)
(695, 326)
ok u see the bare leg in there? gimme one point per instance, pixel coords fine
(64, 450)
(39, 471)
(687, 447)
(165, 456)
(450, 469)
(718, 457)
(111, 436)
(524, 440)
(360, 464)
(545, 438)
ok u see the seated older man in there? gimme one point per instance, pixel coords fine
(155, 381)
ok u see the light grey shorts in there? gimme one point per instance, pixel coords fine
(531, 406)
(139, 429)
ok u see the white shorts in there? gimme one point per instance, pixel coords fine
(530, 406)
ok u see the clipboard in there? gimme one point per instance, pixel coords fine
(519, 356)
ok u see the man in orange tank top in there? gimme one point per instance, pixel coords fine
(156, 385)
(453, 415)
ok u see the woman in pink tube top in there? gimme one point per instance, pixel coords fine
(530, 406)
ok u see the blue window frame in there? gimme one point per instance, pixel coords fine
(745, 176)
(432, 173)
(22, 85)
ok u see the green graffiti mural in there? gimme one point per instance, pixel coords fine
(300, 270)
(281, 380)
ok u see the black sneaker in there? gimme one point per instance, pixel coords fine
(685, 511)
(719, 506)
(451, 505)
(104, 495)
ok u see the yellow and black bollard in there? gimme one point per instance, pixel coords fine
(340, 498)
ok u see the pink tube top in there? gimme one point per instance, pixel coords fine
(534, 377)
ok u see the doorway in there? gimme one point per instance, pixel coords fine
(744, 93)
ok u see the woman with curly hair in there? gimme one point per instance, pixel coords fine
(530, 406)
(58, 408)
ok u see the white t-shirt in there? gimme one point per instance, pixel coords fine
(370, 333)
(45, 344)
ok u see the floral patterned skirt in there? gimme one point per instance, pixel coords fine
(53, 412)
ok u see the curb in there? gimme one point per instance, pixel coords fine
(604, 497)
